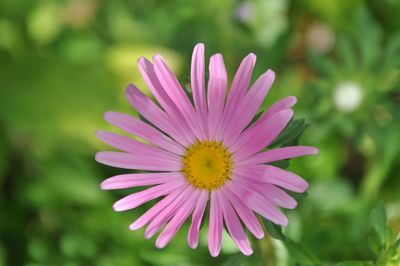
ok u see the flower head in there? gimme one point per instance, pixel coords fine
(206, 152)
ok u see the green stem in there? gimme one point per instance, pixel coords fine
(268, 255)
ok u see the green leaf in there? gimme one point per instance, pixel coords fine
(300, 254)
(274, 230)
(281, 164)
(297, 196)
(237, 259)
(354, 263)
(378, 222)
(296, 250)
(291, 134)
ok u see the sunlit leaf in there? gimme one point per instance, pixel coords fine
(291, 134)
(378, 222)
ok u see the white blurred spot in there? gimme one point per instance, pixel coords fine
(320, 37)
(348, 96)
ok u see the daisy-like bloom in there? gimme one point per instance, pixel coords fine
(204, 154)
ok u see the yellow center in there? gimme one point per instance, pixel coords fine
(207, 165)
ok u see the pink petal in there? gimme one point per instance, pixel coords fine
(147, 70)
(269, 192)
(176, 93)
(137, 127)
(136, 199)
(284, 179)
(282, 104)
(137, 180)
(168, 212)
(197, 79)
(176, 222)
(273, 175)
(235, 229)
(193, 235)
(279, 154)
(137, 161)
(198, 88)
(215, 226)
(238, 89)
(156, 209)
(217, 84)
(149, 110)
(254, 139)
(133, 146)
(248, 108)
(258, 203)
(245, 214)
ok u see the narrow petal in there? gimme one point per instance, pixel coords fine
(278, 196)
(198, 88)
(137, 161)
(255, 139)
(238, 89)
(279, 154)
(167, 213)
(141, 179)
(136, 199)
(273, 175)
(149, 110)
(133, 146)
(273, 194)
(284, 179)
(285, 103)
(248, 108)
(234, 227)
(176, 222)
(137, 127)
(197, 79)
(245, 214)
(148, 73)
(193, 235)
(259, 204)
(177, 94)
(217, 85)
(215, 226)
(156, 209)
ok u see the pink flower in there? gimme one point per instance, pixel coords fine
(204, 153)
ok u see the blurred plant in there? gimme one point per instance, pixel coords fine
(267, 19)
(361, 82)
(385, 244)
(60, 60)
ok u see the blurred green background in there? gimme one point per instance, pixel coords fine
(64, 63)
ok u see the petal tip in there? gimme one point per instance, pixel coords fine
(285, 221)
(252, 56)
(104, 185)
(293, 100)
(214, 253)
(134, 226)
(314, 150)
(199, 46)
(157, 58)
(142, 60)
(193, 245)
(130, 90)
(99, 157)
(260, 235)
(100, 133)
(247, 252)
(107, 115)
(161, 243)
(117, 207)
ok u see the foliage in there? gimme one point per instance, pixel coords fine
(65, 62)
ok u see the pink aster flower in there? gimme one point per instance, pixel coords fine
(209, 151)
